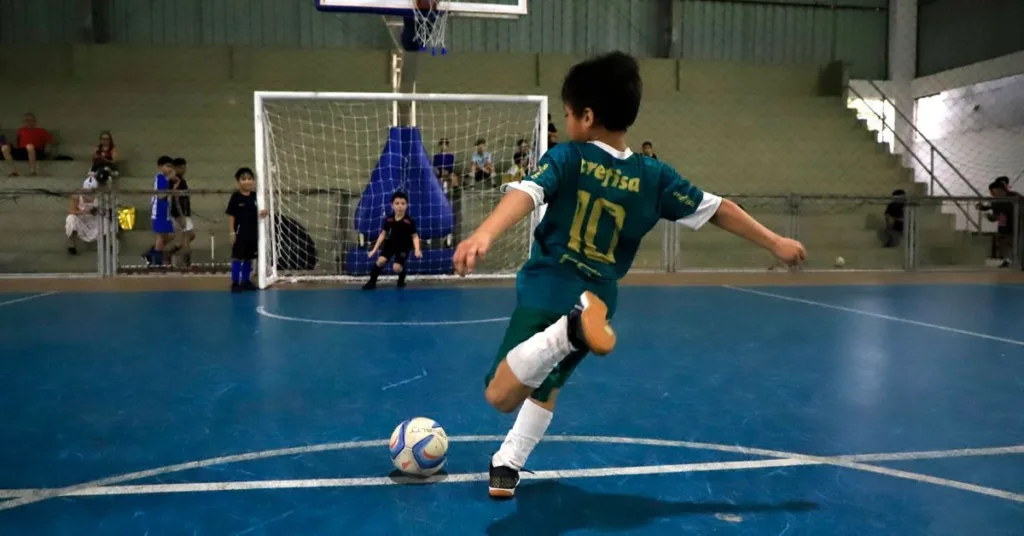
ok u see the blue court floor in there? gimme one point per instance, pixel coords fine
(857, 410)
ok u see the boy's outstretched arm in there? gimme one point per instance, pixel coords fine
(378, 243)
(732, 218)
(515, 206)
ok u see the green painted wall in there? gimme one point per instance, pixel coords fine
(779, 32)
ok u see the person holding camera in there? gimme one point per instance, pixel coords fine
(83, 220)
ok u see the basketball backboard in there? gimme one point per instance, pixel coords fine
(500, 9)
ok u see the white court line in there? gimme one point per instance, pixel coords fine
(876, 315)
(28, 496)
(403, 382)
(27, 298)
(263, 312)
(195, 487)
(932, 454)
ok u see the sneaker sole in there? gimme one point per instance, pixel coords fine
(597, 333)
(501, 493)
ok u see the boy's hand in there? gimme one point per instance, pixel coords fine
(233, 237)
(789, 251)
(418, 254)
(373, 253)
(469, 250)
(263, 213)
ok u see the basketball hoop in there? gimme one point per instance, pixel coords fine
(431, 22)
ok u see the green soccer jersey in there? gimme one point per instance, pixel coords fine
(600, 204)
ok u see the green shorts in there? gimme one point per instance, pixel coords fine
(526, 323)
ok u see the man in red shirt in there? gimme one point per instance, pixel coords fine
(30, 145)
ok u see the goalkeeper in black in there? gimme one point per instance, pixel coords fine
(396, 239)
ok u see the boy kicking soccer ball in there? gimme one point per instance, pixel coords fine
(601, 201)
(400, 232)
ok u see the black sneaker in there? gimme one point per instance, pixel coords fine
(249, 285)
(370, 285)
(235, 287)
(503, 482)
(401, 284)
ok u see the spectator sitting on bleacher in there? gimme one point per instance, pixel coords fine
(521, 158)
(648, 149)
(30, 145)
(483, 162)
(106, 152)
(444, 165)
(83, 218)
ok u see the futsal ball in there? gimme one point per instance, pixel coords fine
(840, 262)
(419, 447)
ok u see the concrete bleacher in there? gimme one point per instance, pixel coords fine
(731, 128)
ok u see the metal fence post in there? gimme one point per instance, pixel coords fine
(910, 250)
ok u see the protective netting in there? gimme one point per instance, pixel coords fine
(430, 22)
(333, 165)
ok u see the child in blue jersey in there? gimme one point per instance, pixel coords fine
(160, 211)
(601, 200)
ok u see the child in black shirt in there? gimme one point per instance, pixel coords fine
(1004, 214)
(400, 232)
(243, 218)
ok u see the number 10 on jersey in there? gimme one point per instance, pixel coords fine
(592, 210)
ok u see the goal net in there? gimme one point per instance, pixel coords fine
(328, 165)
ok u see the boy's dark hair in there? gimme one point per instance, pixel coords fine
(898, 191)
(1004, 180)
(481, 141)
(399, 195)
(520, 141)
(179, 162)
(243, 171)
(609, 85)
(443, 141)
(997, 185)
(164, 160)
(647, 144)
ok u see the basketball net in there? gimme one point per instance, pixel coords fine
(431, 23)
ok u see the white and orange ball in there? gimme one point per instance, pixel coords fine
(419, 447)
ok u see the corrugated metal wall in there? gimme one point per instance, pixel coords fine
(764, 33)
(954, 33)
(784, 31)
(43, 21)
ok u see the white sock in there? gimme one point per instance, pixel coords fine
(535, 357)
(530, 426)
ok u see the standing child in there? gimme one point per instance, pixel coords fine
(160, 212)
(601, 201)
(181, 213)
(243, 219)
(400, 232)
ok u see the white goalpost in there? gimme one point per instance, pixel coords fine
(328, 164)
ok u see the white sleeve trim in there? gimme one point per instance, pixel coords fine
(534, 190)
(707, 208)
